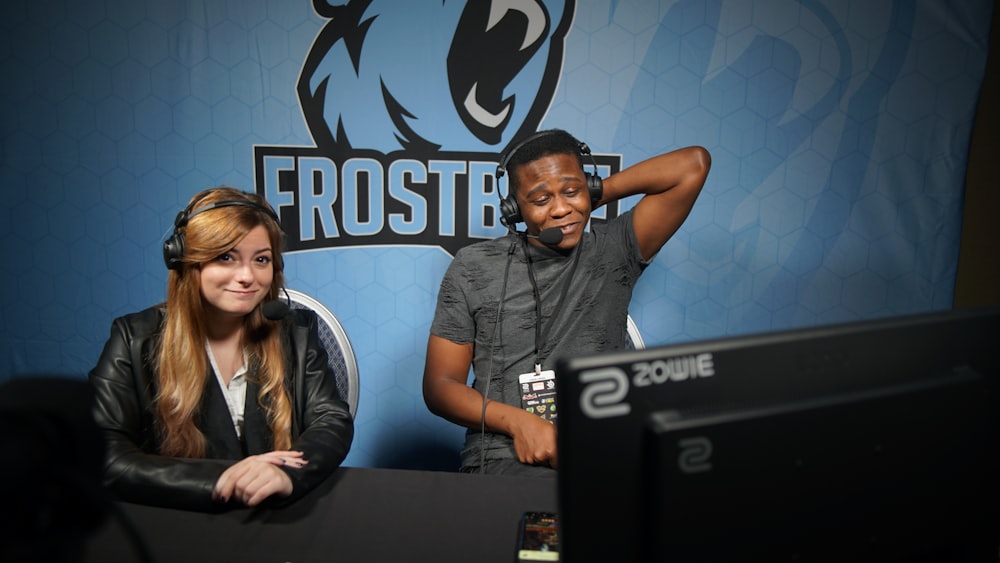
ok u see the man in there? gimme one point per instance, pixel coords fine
(509, 307)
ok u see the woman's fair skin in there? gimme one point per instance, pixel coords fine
(236, 281)
(232, 286)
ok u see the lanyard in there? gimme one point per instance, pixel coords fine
(538, 300)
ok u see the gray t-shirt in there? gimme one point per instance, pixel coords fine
(591, 315)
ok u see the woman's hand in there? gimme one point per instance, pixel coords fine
(255, 478)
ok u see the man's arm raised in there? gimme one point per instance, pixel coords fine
(670, 183)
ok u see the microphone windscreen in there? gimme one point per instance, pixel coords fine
(275, 310)
(550, 237)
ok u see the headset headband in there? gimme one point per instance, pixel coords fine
(505, 159)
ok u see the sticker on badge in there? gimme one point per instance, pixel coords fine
(538, 393)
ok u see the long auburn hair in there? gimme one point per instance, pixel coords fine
(182, 365)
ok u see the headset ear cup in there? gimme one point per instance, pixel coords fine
(173, 247)
(173, 251)
(510, 213)
(595, 186)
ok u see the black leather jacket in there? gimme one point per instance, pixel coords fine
(124, 387)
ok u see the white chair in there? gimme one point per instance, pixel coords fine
(634, 341)
(338, 347)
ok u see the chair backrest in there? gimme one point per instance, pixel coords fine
(338, 347)
(635, 341)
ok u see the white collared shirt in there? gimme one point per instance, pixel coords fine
(235, 393)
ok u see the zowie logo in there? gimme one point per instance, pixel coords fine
(603, 392)
(605, 389)
(695, 455)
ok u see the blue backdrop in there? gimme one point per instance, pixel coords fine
(839, 132)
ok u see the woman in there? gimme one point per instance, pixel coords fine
(203, 401)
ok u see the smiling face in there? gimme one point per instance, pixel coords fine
(552, 193)
(235, 282)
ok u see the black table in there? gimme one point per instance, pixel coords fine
(358, 514)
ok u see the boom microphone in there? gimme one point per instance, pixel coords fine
(549, 237)
(276, 310)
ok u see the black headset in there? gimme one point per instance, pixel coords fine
(510, 213)
(173, 247)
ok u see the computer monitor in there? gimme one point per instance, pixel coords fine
(866, 441)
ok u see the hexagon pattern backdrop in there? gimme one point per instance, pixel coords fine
(839, 132)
